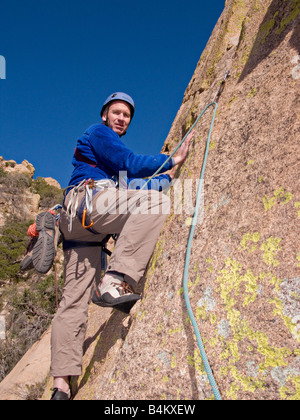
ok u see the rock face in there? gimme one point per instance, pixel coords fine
(31, 370)
(244, 271)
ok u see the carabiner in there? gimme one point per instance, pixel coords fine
(83, 220)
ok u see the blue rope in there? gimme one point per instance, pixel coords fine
(187, 262)
(190, 241)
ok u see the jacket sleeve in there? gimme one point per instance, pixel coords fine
(109, 150)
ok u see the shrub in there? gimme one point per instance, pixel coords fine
(49, 195)
(14, 181)
(13, 244)
(31, 312)
(3, 173)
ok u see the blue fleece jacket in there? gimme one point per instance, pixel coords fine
(101, 154)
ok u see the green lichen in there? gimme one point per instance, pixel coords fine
(275, 282)
(201, 312)
(248, 237)
(279, 196)
(297, 205)
(188, 221)
(291, 393)
(269, 202)
(212, 145)
(176, 330)
(157, 252)
(235, 98)
(196, 362)
(266, 28)
(252, 93)
(251, 288)
(270, 248)
(295, 10)
(248, 383)
(232, 392)
(231, 280)
(290, 325)
(159, 328)
(191, 286)
(142, 315)
(173, 362)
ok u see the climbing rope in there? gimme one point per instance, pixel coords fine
(206, 364)
(187, 262)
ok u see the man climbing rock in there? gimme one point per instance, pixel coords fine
(105, 197)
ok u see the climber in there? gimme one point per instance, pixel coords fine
(86, 219)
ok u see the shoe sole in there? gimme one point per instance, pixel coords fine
(26, 263)
(44, 251)
(123, 304)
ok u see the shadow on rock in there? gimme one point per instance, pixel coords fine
(281, 18)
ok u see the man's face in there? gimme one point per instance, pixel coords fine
(118, 117)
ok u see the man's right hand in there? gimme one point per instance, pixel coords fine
(182, 152)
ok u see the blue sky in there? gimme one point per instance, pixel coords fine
(63, 58)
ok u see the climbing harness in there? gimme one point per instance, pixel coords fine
(91, 187)
(84, 210)
(192, 230)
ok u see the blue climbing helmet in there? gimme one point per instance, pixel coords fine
(119, 96)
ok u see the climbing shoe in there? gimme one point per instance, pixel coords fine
(59, 395)
(43, 252)
(117, 294)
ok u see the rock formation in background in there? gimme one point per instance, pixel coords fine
(18, 198)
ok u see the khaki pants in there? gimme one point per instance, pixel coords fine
(138, 217)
